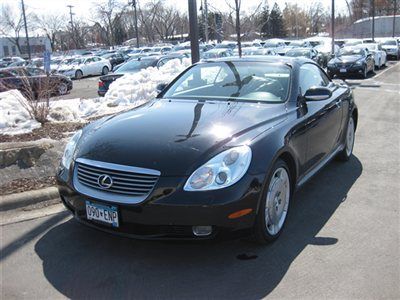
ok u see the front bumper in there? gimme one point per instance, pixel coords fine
(350, 70)
(169, 212)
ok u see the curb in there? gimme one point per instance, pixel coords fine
(18, 200)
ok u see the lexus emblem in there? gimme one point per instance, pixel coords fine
(105, 181)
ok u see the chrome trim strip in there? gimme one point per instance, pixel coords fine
(123, 168)
(317, 168)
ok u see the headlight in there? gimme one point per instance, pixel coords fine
(359, 62)
(222, 171)
(70, 149)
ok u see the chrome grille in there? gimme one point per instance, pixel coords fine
(128, 182)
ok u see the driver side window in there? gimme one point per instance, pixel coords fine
(310, 75)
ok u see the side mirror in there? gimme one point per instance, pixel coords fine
(317, 94)
(160, 87)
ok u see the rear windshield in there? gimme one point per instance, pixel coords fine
(134, 65)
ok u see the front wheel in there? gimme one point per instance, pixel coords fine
(346, 153)
(365, 72)
(275, 204)
(62, 88)
(104, 71)
(78, 74)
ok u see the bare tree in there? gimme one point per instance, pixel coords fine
(51, 25)
(11, 25)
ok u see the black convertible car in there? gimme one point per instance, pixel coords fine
(221, 149)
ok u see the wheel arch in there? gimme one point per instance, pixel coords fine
(354, 114)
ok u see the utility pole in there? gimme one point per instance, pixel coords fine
(193, 31)
(394, 17)
(134, 4)
(373, 20)
(26, 29)
(70, 15)
(333, 26)
(206, 17)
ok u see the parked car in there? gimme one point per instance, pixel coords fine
(34, 82)
(351, 61)
(85, 66)
(300, 44)
(256, 51)
(21, 63)
(246, 51)
(217, 53)
(308, 53)
(392, 48)
(277, 44)
(6, 61)
(115, 58)
(132, 66)
(221, 149)
(226, 45)
(325, 50)
(376, 50)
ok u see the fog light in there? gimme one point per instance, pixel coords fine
(202, 230)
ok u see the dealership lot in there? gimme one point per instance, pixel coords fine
(341, 240)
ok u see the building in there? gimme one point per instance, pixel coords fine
(362, 28)
(37, 45)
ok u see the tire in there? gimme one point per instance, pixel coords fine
(62, 88)
(274, 206)
(104, 71)
(78, 74)
(347, 151)
(365, 73)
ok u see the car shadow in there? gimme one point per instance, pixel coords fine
(81, 262)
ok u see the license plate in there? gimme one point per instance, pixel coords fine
(102, 213)
(343, 70)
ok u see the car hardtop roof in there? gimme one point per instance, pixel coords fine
(262, 58)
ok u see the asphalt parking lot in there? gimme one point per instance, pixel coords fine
(342, 239)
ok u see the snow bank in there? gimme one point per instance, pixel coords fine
(126, 92)
(141, 86)
(14, 118)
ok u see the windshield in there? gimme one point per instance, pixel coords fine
(371, 47)
(77, 61)
(178, 48)
(241, 81)
(270, 45)
(296, 44)
(297, 53)
(350, 51)
(135, 65)
(389, 43)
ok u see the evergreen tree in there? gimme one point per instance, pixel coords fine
(264, 22)
(276, 26)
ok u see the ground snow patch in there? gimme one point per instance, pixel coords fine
(14, 117)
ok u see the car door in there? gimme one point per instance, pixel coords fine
(323, 118)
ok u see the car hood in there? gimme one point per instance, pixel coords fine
(175, 136)
(347, 59)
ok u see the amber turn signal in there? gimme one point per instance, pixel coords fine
(240, 213)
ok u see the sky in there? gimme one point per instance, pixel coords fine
(85, 8)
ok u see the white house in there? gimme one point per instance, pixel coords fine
(37, 45)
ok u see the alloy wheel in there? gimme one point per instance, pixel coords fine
(277, 201)
(350, 137)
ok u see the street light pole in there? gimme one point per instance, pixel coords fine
(194, 31)
(373, 20)
(333, 26)
(133, 3)
(394, 17)
(26, 29)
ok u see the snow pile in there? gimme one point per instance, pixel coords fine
(141, 87)
(14, 117)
